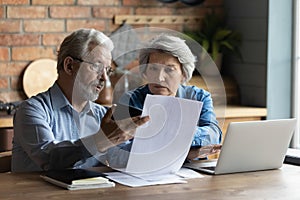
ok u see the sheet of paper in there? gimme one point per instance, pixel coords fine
(161, 146)
(132, 181)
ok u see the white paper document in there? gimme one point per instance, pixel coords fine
(160, 146)
(132, 181)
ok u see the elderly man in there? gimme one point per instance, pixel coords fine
(62, 127)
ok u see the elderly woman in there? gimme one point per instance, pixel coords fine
(166, 63)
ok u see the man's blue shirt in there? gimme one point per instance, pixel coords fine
(50, 134)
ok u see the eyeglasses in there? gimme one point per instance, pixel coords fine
(97, 67)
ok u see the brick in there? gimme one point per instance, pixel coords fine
(197, 11)
(14, 2)
(4, 83)
(141, 3)
(10, 26)
(12, 68)
(32, 53)
(4, 54)
(76, 24)
(154, 11)
(16, 83)
(108, 12)
(2, 12)
(70, 12)
(33, 12)
(19, 39)
(13, 95)
(53, 39)
(44, 25)
(99, 3)
(53, 2)
(111, 27)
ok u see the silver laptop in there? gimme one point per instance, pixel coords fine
(251, 146)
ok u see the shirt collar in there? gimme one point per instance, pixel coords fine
(89, 108)
(180, 91)
(147, 89)
(60, 99)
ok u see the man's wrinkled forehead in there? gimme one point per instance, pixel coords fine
(99, 51)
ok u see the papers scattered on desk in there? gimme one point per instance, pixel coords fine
(77, 179)
(133, 181)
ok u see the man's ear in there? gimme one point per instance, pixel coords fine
(68, 65)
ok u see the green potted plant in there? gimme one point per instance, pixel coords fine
(216, 38)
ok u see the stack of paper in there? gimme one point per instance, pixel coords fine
(127, 179)
(76, 179)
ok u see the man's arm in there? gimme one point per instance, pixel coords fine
(33, 134)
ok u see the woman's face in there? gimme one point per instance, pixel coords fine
(164, 74)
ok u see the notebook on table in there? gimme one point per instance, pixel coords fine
(77, 179)
(251, 146)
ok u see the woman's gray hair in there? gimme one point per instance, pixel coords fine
(81, 42)
(172, 45)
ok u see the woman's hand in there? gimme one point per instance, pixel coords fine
(204, 151)
(116, 132)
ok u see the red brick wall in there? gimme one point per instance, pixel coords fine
(32, 29)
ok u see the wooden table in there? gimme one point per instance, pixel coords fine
(272, 184)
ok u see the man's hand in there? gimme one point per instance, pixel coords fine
(204, 151)
(116, 132)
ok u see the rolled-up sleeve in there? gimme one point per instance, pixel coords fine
(208, 131)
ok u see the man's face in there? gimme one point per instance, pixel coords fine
(163, 74)
(92, 75)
